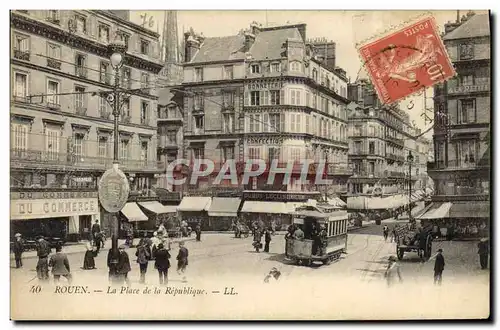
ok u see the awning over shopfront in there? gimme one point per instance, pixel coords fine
(264, 207)
(194, 204)
(437, 211)
(470, 209)
(133, 213)
(157, 207)
(335, 201)
(224, 207)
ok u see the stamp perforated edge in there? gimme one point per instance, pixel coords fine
(390, 30)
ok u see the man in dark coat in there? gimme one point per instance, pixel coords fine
(42, 251)
(18, 250)
(438, 266)
(60, 265)
(267, 239)
(123, 266)
(484, 251)
(162, 263)
(96, 228)
(198, 232)
(182, 260)
(143, 257)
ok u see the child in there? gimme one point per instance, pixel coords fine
(182, 260)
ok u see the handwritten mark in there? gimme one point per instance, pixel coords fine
(410, 105)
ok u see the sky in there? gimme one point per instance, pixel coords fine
(345, 28)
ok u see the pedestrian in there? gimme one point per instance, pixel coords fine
(155, 242)
(298, 233)
(162, 263)
(484, 251)
(88, 260)
(257, 238)
(392, 270)
(60, 265)
(393, 234)
(267, 239)
(97, 241)
(386, 232)
(273, 227)
(438, 266)
(42, 251)
(18, 250)
(143, 256)
(198, 232)
(96, 229)
(123, 266)
(182, 260)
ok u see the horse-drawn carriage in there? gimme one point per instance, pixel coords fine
(418, 240)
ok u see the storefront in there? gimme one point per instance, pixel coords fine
(193, 210)
(156, 213)
(54, 214)
(459, 219)
(131, 218)
(223, 212)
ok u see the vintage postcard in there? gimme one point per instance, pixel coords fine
(250, 165)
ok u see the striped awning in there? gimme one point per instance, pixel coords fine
(133, 213)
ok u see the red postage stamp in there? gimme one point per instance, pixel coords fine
(406, 61)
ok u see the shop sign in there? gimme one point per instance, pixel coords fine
(265, 140)
(268, 84)
(50, 208)
(52, 194)
(82, 179)
(270, 196)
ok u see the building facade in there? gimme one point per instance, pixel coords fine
(461, 167)
(61, 127)
(264, 94)
(380, 140)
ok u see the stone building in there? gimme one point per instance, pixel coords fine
(62, 130)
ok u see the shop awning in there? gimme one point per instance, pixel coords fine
(264, 207)
(470, 209)
(437, 211)
(376, 203)
(158, 208)
(224, 207)
(133, 213)
(335, 201)
(194, 204)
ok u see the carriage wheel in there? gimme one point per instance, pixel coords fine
(401, 253)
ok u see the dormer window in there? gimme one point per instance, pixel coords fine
(275, 67)
(255, 68)
(296, 66)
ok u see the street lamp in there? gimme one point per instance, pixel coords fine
(113, 186)
(409, 158)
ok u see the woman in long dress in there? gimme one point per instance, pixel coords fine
(88, 261)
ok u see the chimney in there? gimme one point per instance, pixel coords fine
(249, 40)
(192, 46)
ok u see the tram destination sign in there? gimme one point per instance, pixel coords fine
(113, 190)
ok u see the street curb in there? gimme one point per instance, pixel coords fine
(105, 249)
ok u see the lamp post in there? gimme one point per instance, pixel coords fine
(113, 186)
(409, 158)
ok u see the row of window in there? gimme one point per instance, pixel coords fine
(291, 96)
(22, 47)
(54, 144)
(80, 98)
(80, 23)
(464, 151)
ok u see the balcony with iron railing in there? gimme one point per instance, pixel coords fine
(59, 160)
(165, 142)
(454, 164)
(81, 71)
(22, 54)
(169, 116)
(399, 142)
(54, 63)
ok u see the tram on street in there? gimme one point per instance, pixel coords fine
(326, 247)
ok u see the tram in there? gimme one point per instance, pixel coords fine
(310, 219)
